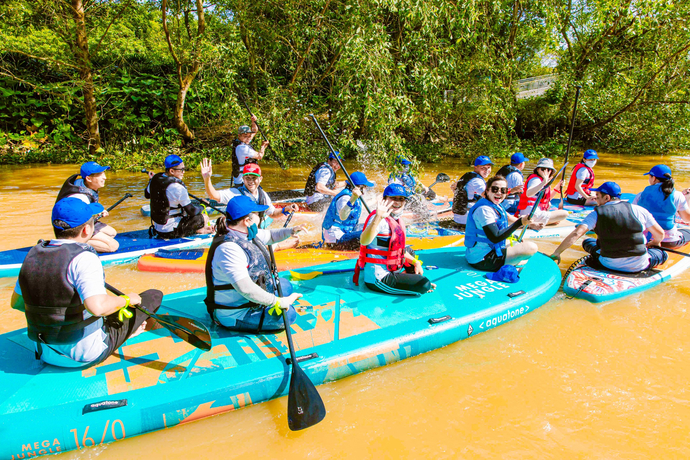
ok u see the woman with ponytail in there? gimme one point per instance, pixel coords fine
(663, 201)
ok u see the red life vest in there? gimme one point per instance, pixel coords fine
(527, 201)
(394, 257)
(586, 185)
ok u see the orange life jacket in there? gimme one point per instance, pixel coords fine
(527, 201)
(586, 185)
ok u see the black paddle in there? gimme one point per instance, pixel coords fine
(189, 330)
(127, 195)
(672, 250)
(337, 157)
(440, 178)
(200, 200)
(570, 140)
(538, 199)
(305, 407)
(278, 158)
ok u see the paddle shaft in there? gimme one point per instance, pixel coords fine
(570, 138)
(127, 195)
(538, 198)
(337, 157)
(673, 251)
(278, 159)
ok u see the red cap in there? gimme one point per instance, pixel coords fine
(252, 168)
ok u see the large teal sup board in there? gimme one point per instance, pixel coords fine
(157, 381)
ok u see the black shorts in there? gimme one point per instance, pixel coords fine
(98, 226)
(577, 201)
(187, 227)
(118, 332)
(491, 262)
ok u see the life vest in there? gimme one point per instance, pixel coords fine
(527, 201)
(72, 186)
(261, 201)
(393, 257)
(460, 199)
(619, 233)
(661, 207)
(332, 217)
(160, 206)
(474, 235)
(406, 180)
(505, 171)
(310, 187)
(54, 312)
(586, 184)
(258, 267)
(236, 165)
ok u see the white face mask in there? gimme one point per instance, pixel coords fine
(590, 163)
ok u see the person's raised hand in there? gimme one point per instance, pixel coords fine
(298, 228)
(264, 145)
(253, 118)
(105, 213)
(357, 192)
(206, 168)
(383, 207)
(291, 208)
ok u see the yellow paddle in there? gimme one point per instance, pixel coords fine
(311, 275)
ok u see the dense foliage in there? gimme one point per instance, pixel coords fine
(422, 78)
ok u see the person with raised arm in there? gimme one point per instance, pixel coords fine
(341, 228)
(541, 175)
(242, 151)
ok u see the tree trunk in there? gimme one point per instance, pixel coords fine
(86, 75)
(178, 119)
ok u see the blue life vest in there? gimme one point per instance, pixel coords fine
(474, 235)
(662, 208)
(261, 201)
(332, 217)
(406, 180)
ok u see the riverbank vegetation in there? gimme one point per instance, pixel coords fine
(131, 80)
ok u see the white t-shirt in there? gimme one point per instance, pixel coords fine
(243, 151)
(230, 266)
(323, 174)
(229, 194)
(514, 179)
(475, 187)
(333, 234)
(681, 205)
(85, 273)
(177, 196)
(482, 217)
(624, 264)
(582, 174)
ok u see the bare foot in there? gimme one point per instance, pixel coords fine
(139, 330)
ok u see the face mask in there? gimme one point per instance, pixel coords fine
(252, 231)
(591, 163)
(406, 169)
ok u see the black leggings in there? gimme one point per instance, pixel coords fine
(401, 283)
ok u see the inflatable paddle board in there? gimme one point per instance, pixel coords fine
(155, 381)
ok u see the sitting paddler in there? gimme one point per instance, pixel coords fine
(242, 151)
(468, 190)
(663, 201)
(341, 227)
(488, 228)
(515, 181)
(321, 185)
(86, 189)
(383, 254)
(172, 213)
(251, 187)
(582, 180)
(620, 226)
(240, 294)
(69, 315)
(541, 175)
(405, 178)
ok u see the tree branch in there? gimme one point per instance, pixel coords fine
(56, 61)
(116, 17)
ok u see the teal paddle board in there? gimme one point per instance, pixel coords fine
(155, 381)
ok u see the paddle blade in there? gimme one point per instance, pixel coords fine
(305, 407)
(189, 330)
(442, 177)
(304, 276)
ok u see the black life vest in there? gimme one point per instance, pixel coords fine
(619, 233)
(460, 199)
(54, 312)
(259, 272)
(236, 165)
(310, 187)
(261, 201)
(505, 171)
(73, 186)
(160, 206)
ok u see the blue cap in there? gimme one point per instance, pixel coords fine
(91, 167)
(517, 158)
(659, 171)
(74, 212)
(590, 154)
(482, 160)
(242, 206)
(358, 178)
(395, 190)
(506, 274)
(404, 161)
(171, 161)
(609, 188)
(331, 156)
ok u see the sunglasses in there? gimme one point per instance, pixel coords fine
(502, 190)
(179, 169)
